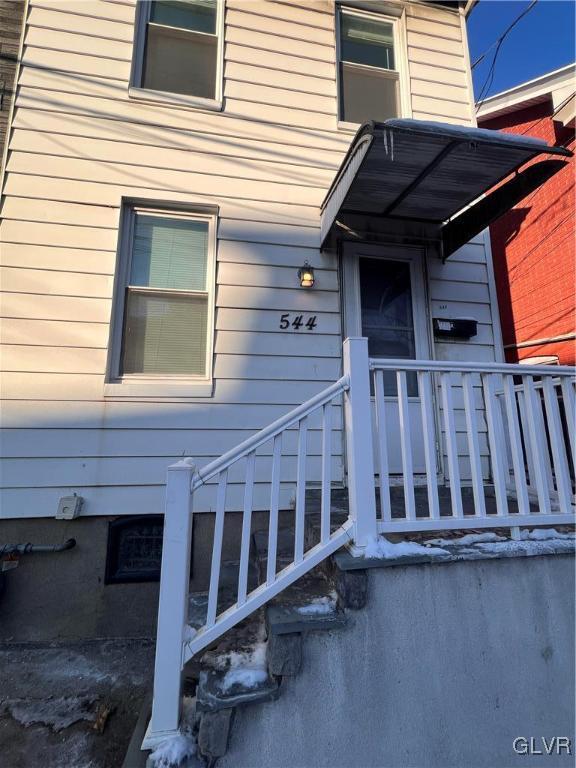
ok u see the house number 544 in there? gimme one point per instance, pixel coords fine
(296, 322)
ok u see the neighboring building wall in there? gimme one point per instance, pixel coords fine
(534, 252)
(79, 143)
(11, 13)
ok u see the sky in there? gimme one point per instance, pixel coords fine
(541, 41)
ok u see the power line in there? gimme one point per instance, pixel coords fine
(498, 44)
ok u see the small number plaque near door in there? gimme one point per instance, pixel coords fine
(290, 322)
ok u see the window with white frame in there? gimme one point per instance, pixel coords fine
(369, 79)
(178, 47)
(167, 286)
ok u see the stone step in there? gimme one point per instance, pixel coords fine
(227, 592)
(284, 549)
(233, 671)
(215, 692)
(310, 603)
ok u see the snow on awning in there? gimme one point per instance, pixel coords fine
(430, 172)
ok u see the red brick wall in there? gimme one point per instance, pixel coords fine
(533, 250)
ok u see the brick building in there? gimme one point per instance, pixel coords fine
(533, 244)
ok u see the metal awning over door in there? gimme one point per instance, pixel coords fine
(431, 172)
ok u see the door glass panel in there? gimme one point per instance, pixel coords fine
(387, 315)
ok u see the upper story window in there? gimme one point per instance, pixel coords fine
(165, 299)
(178, 50)
(369, 78)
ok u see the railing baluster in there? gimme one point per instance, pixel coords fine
(537, 438)
(498, 456)
(217, 548)
(406, 446)
(300, 491)
(451, 445)
(326, 472)
(570, 412)
(473, 445)
(526, 439)
(561, 471)
(385, 510)
(274, 506)
(246, 528)
(429, 434)
(516, 446)
(542, 428)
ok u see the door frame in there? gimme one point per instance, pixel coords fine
(415, 255)
(352, 321)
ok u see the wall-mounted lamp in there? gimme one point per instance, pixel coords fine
(306, 276)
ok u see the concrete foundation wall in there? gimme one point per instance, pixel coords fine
(446, 666)
(60, 596)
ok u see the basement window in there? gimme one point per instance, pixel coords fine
(134, 549)
(178, 52)
(368, 70)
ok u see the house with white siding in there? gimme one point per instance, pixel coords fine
(254, 233)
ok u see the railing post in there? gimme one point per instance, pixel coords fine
(359, 447)
(173, 604)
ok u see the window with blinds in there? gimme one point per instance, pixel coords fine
(368, 74)
(180, 47)
(167, 296)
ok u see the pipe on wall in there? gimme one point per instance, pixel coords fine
(27, 549)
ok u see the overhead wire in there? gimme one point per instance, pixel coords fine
(497, 44)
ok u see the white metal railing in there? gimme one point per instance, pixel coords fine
(505, 431)
(176, 641)
(510, 440)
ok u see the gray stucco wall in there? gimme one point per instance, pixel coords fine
(446, 666)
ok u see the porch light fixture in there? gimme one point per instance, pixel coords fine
(306, 276)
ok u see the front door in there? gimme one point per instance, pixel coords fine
(385, 300)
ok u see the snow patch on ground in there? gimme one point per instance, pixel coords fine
(382, 549)
(58, 713)
(319, 606)
(174, 750)
(470, 538)
(244, 668)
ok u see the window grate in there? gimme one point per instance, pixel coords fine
(134, 549)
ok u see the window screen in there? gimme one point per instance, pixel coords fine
(167, 297)
(181, 50)
(369, 80)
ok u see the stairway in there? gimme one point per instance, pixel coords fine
(247, 664)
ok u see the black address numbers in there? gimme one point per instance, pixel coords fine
(296, 322)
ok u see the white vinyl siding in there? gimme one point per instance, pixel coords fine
(80, 145)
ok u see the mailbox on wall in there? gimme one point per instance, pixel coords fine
(458, 328)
